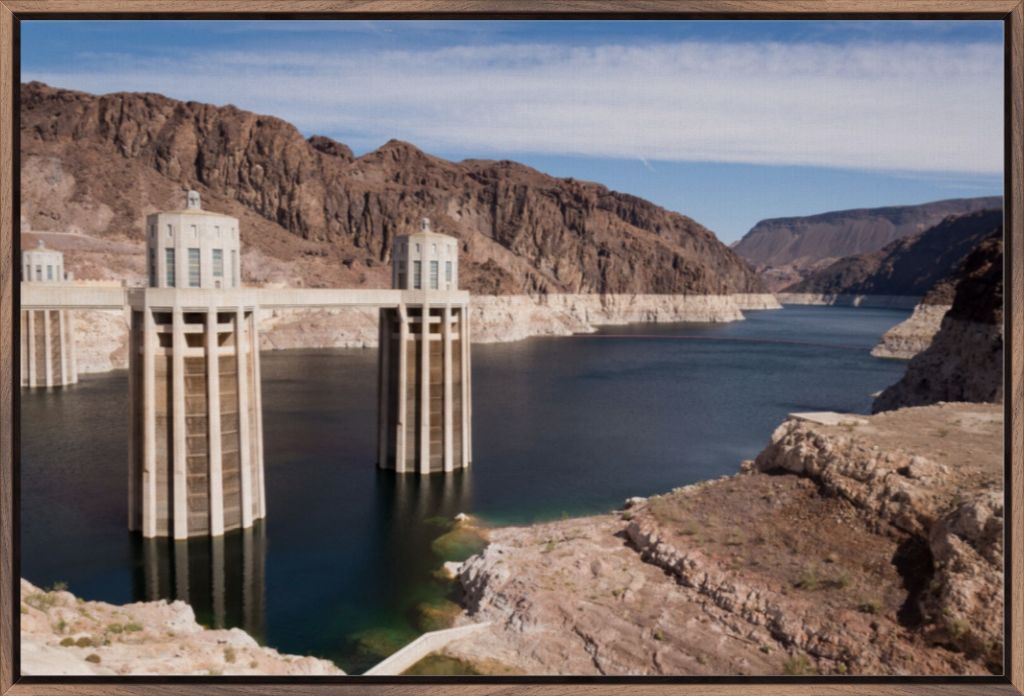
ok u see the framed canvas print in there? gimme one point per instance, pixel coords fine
(528, 347)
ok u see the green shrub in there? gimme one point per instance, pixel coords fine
(93, 658)
(796, 666)
(67, 642)
(229, 654)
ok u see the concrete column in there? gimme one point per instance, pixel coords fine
(47, 349)
(148, 423)
(72, 359)
(179, 427)
(32, 366)
(424, 397)
(446, 333)
(245, 442)
(403, 398)
(63, 343)
(134, 443)
(467, 388)
(383, 350)
(215, 473)
(254, 347)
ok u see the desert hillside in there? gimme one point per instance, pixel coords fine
(911, 266)
(785, 250)
(313, 214)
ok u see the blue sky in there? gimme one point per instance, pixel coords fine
(728, 122)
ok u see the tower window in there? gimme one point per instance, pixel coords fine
(417, 275)
(234, 268)
(152, 267)
(448, 272)
(433, 275)
(49, 272)
(39, 272)
(169, 267)
(218, 263)
(193, 268)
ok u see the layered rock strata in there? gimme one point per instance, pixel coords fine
(912, 335)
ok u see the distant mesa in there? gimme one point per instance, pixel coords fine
(910, 266)
(785, 250)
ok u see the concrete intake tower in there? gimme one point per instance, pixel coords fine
(47, 335)
(424, 389)
(196, 452)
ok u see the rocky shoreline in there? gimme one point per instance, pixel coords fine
(63, 635)
(101, 336)
(848, 547)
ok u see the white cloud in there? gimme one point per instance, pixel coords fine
(907, 107)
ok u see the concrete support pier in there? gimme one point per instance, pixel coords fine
(196, 452)
(423, 361)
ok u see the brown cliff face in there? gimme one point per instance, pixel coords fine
(101, 163)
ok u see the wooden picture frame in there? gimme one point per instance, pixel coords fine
(1010, 12)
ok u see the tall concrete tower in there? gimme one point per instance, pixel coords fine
(47, 335)
(196, 457)
(423, 366)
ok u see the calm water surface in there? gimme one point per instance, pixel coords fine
(342, 567)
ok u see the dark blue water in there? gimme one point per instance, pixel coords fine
(342, 566)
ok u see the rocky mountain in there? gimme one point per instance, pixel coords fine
(910, 266)
(313, 214)
(965, 359)
(785, 249)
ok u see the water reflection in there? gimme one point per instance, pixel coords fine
(412, 498)
(223, 578)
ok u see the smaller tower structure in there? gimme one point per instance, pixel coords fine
(196, 452)
(47, 335)
(424, 367)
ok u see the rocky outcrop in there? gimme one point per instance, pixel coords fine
(784, 250)
(912, 335)
(965, 359)
(910, 266)
(312, 214)
(64, 635)
(852, 545)
(949, 499)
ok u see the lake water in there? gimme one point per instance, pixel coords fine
(342, 567)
